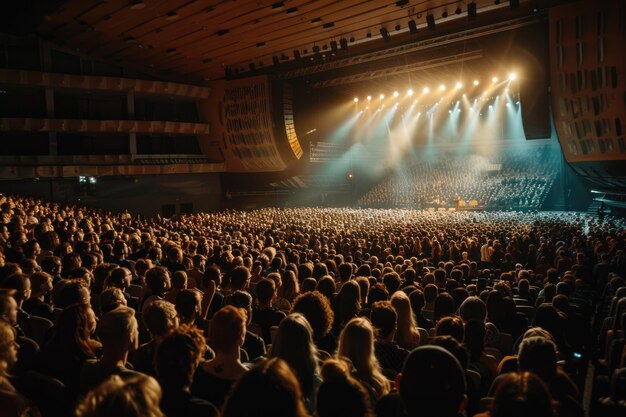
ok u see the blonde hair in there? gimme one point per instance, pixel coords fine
(294, 344)
(356, 343)
(407, 335)
(134, 397)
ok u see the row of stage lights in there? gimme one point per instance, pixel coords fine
(512, 77)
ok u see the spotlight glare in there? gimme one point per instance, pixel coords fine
(356, 99)
(367, 107)
(426, 90)
(410, 92)
(395, 94)
(458, 85)
(464, 95)
(369, 98)
(494, 80)
(476, 82)
(382, 96)
(506, 90)
(512, 76)
(442, 87)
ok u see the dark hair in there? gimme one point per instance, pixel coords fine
(238, 277)
(265, 290)
(316, 309)
(178, 356)
(341, 395)
(384, 318)
(269, 389)
(444, 306)
(432, 383)
(450, 326)
(520, 395)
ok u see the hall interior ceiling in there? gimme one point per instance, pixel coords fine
(198, 40)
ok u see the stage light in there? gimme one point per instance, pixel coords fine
(426, 90)
(476, 82)
(369, 98)
(494, 80)
(458, 85)
(367, 107)
(356, 99)
(464, 95)
(506, 90)
(512, 76)
(410, 92)
(442, 87)
(382, 97)
(395, 94)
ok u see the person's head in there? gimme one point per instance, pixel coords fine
(188, 304)
(474, 340)
(8, 347)
(8, 308)
(118, 329)
(384, 319)
(400, 301)
(316, 309)
(74, 329)
(290, 287)
(538, 355)
(159, 318)
(270, 388)
(430, 293)
(432, 383)
(294, 344)
(138, 396)
(356, 343)
(21, 284)
(110, 299)
(157, 280)
(240, 278)
(473, 308)
(520, 395)
(178, 355)
(228, 329)
(450, 326)
(243, 300)
(179, 280)
(444, 306)
(340, 395)
(327, 286)
(265, 290)
(118, 278)
(40, 283)
(392, 281)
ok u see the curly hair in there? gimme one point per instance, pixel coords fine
(316, 309)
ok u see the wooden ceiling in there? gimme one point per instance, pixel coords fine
(195, 40)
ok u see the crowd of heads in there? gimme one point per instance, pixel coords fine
(308, 312)
(516, 178)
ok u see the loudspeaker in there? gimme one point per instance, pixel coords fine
(430, 20)
(343, 42)
(275, 61)
(333, 46)
(412, 27)
(296, 55)
(471, 11)
(252, 66)
(385, 34)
